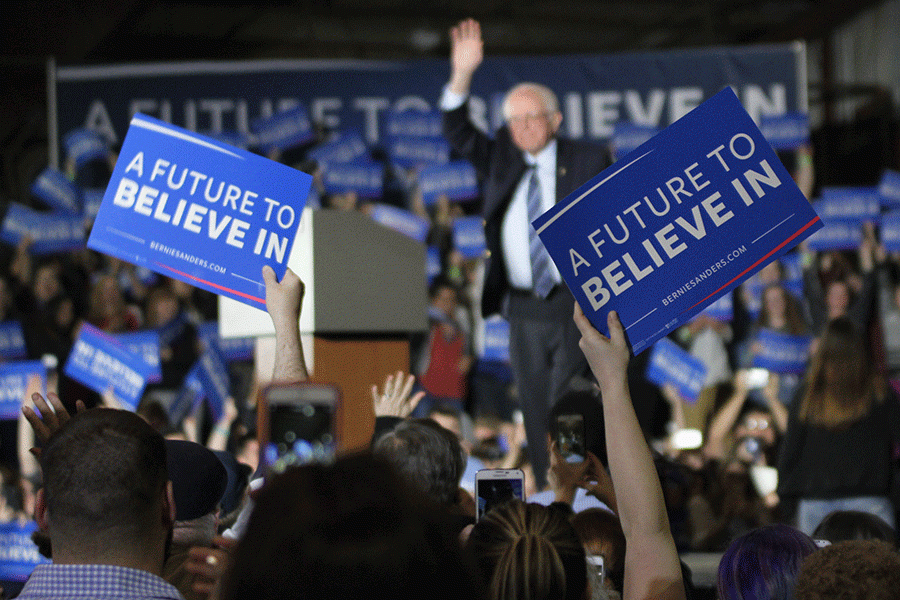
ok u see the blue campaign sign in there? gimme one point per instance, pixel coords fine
(145, 343)
(849, 203)
(213, 375)
(432, 263)
(889, 231)
(232, 349)
(780, 352)
(496, 339)
(889, 188)
(721, 310)
(232, 138)
(101, 363)
(365, 177)
(284, 130)
(92, 199)
(836, 234)
(468, 236)
(347, 146)
(198, 210)
(18, 554)
(83, 145)
(414, 123)
(671, 364)
(787, 131)
(627, 136)
(12, 340)
(408, 151)
(57, 191)
(50, 232)
(402, 221)
(677, 223)
(190, 394)
(14, 378)
(456, 180)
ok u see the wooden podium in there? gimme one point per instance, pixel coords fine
(365, 292)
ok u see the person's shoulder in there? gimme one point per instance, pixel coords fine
(585, 149)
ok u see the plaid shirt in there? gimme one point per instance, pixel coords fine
(67, 582)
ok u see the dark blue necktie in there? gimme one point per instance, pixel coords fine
(541, 275)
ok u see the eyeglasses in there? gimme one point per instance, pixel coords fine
(527, 118)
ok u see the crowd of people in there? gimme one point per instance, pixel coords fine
(794, 479)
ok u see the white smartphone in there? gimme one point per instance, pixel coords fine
(597, 561)
(757, 378)
(496, 486)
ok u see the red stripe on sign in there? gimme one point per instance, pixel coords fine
(215, 285)
(751, 267)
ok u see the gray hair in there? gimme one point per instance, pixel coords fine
(545, 94)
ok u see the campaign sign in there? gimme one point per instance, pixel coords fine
(400, 220)
(414, 123)
(468, 236)
(432, 263)
(147, 344)
(408, 151)
(92, 199)
(18, 554)
(889, 188)
(190, 394)
(721, 310)
(213, 375)
(84, 145)
(496, 339)
(850, 203)
(198, 210)
(232, 138)
(671, 364)
(780, 352)
(100, 362)
(364, 177)
(283, 130)
(50, 232)
(890, 231)
(836, 234)
(787, 131)
(232, 349)
(456, 180)
(627, 136)
(12, 340)
(346, 147)
(677, 223)
(57, 191)
(14, 378)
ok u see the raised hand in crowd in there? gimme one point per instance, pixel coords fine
(284, 301)
(652, 566)
(466, 54)
(47, 417)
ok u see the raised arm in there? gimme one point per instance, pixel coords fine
(652, 567)
(284, 300)
(466, 54)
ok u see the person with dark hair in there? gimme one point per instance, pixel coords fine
(525, 168)
(842, 525)
(354, 529)
(427, 455)
(763, 564)
(850, 570)
(837, 452)
(108, 506)
(601, 535)
(529, 551)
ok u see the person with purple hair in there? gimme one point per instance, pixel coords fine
(763, 564)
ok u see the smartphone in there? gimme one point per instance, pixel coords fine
(597, 561)
(757, 378)
(297, 424)
(496, 486)
(570, 437)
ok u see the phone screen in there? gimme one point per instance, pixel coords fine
(301, 421)
(496, 488)
(570, 437)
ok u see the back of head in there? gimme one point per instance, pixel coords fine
(587, 404)
(529, 551)
(842, 525)
(763, 564)
(601, 534)
(851, 570)
(346, 531)
(427, 455)
(104, 476)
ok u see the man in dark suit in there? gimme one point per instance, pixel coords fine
(525, 169)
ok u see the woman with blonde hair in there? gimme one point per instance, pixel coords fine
(837, 451)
